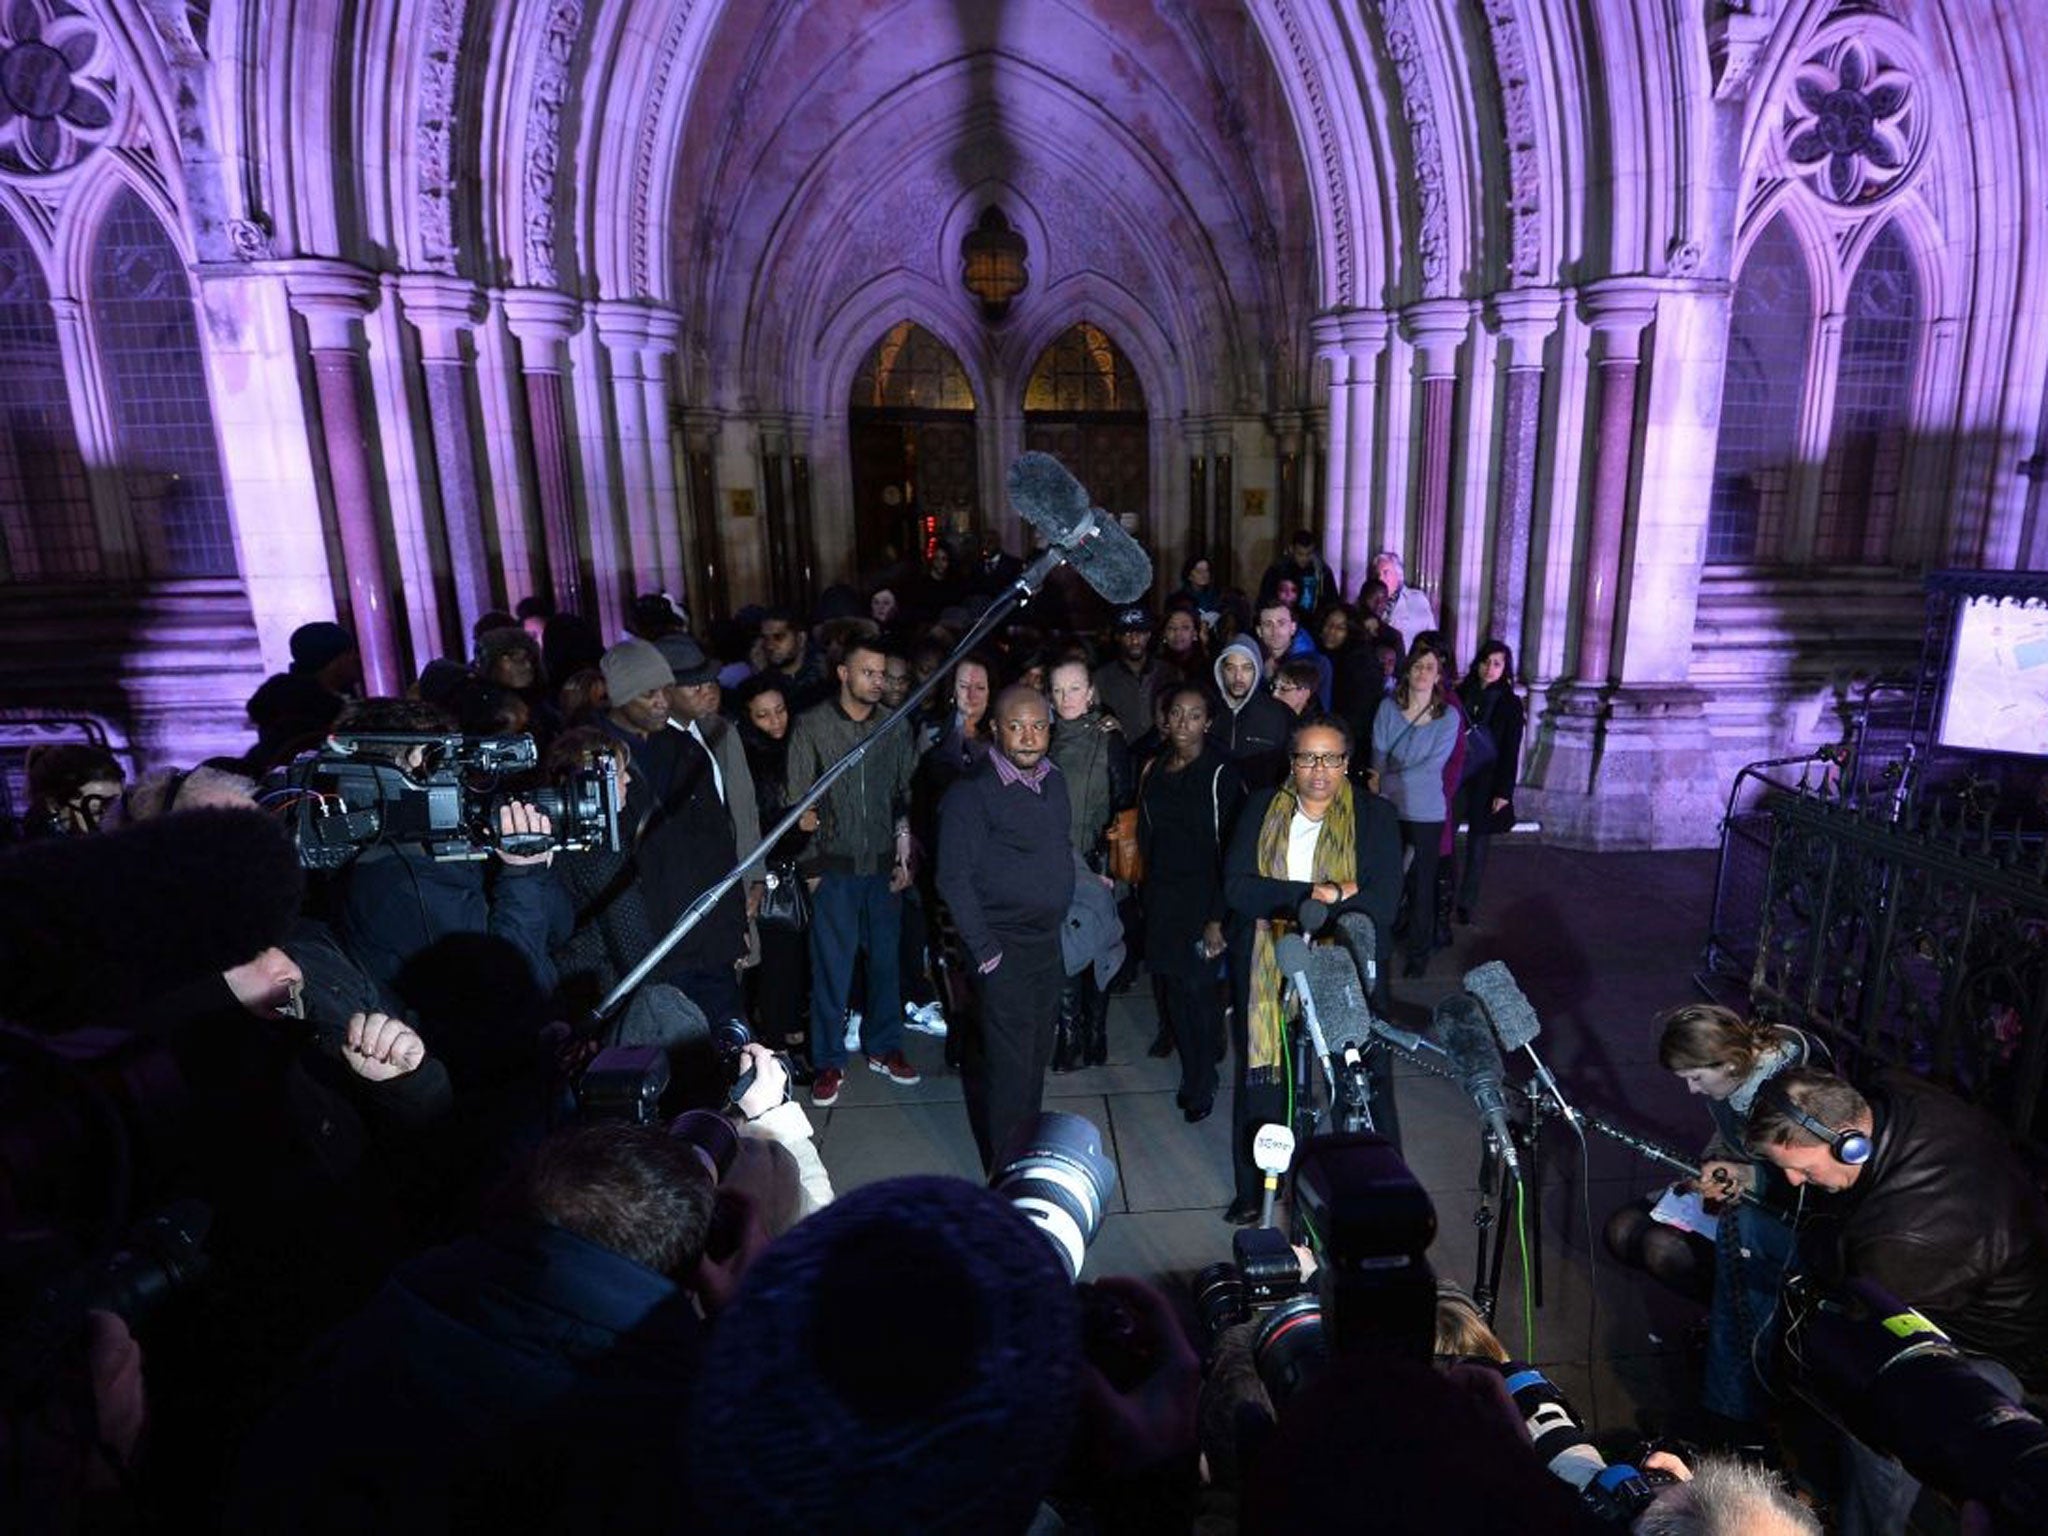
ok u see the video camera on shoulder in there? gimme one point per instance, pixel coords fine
(440, 793)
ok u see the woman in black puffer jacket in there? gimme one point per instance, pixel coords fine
(781, 982)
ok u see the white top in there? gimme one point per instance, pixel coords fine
(1301, 847)
(1411, 613)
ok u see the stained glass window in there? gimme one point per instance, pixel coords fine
(46, 520)
(1084, 371)
(1768, 340)
(911, 368)
(149, 353)
(1866, 446)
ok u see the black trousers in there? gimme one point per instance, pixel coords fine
(1423, 838)
(1195, 1010)
(1005, 1056)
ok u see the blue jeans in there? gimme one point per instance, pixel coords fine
(1743, 1316)
(851, 914)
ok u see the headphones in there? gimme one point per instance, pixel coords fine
(1849, 1145)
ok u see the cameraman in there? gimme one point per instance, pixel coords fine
(395, 902)
(1929, 1202)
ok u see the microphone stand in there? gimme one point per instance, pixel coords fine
(1497, 1182)
(1022, 590)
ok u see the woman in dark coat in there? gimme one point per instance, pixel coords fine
(1187, 805)
(781, 995)
(1314, 835)
(1486, 800)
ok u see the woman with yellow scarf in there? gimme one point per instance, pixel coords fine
(1315, 835)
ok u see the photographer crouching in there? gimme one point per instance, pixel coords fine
(1926, 1200)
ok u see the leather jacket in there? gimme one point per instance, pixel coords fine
(1947, 1217)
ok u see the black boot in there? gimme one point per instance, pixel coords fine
(1066, 1026)
(1095, 1014)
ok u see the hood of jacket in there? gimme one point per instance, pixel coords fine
(1243, 647)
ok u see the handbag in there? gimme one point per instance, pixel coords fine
(785, 903)
(1481, 753)
(1126, 859)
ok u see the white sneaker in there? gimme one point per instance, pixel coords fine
(853, 1031)
(927, 1020)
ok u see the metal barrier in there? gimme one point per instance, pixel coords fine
(1920, 942)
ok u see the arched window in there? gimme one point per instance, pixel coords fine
(46, 523)
(1859, 491)
(148, 342)
(1084, 405)
(1768, 339)
(915, 474)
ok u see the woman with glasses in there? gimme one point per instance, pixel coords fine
(1187, 804)
(1411, 743)
(1314, 835)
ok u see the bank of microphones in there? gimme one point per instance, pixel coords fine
(1470, 1031)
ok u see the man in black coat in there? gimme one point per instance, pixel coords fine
(1929, 1201)
(1007, 876)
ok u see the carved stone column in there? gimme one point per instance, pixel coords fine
(773, 452)
(806, 543)
(333, 296)
(1619, 312)
(1286, 427)
(1524, 319)
(543, 323)
(700, 440)
(443, 310)
(623, 328)
(1202, 538)
(1436, 328)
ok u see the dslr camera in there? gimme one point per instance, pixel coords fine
(440, 793)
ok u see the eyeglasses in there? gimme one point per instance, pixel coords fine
(1321, 759)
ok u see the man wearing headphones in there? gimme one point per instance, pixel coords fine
(1933, 1205)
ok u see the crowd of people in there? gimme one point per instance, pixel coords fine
(455, 1284)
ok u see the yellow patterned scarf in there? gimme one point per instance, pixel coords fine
(1336, 862)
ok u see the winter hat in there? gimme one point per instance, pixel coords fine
(907, 1359)
(686, 659)
(315, 645)
(631, 668)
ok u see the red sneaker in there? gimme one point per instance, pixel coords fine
(896, 1068)
(825, 1087)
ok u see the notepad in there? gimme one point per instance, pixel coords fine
(1684, 1210)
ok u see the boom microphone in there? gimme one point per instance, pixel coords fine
(1361, 940)
(1090, 540)
(1291, 954)
(1460, 1028)
(1512, 1015)
(94, 928)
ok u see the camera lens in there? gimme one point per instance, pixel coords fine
(1290, 1348)
(730, 1038)
(1060, 1182)
(712, 1135)
(1219, 1293)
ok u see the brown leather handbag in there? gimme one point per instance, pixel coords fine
(1126, 860)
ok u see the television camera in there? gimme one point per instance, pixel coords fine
(441, 793)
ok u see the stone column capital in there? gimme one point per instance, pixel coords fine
(700, 426)
(636, 324)
(440, 308)
(331, 295)
(1436, 328)
(1525, 319)
(542, 320)
(1620, 309)
(1359, 334)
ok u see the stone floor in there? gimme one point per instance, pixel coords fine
(1599, 942)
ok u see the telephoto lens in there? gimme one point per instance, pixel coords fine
(1060, 1181)
(1220, 1298)
(712, 1135)
(1291, 1350)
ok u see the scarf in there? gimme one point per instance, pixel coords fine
(1336, 861)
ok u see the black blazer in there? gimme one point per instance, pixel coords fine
(1251, 895)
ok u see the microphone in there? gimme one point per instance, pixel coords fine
(1513, 1017)
(1292, 955)
(1312, 915)
(1360, 938)
(1460, 1027)
(1511, 1014)
(1088, 538)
